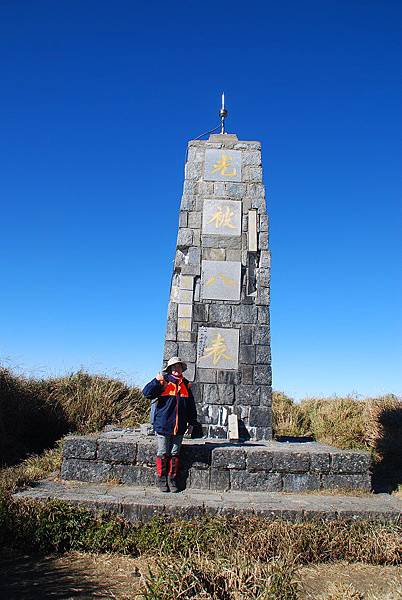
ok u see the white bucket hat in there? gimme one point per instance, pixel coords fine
(174, 361)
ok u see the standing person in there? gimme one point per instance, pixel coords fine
(175, 413)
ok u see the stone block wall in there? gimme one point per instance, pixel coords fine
(265, 467)
(218, 315)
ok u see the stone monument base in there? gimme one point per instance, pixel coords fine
(127, 457)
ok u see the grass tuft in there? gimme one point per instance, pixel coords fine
(34, 413)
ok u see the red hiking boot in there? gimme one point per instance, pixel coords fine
(161, 471)
(173, 473)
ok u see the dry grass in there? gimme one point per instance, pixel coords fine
(346, 581)
(31, 469)
(85, 575)
(237, 578)
(34, 413)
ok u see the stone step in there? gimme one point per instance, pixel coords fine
(141, 504)
(128, 457)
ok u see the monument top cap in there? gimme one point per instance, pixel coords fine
(223, 137)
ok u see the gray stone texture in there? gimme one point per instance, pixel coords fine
(260, 416)
(259, 460)
(229, 458)
(116, 451)
(220, 241)
(218, 393)
(247, 395)
(223, 181)
(245, 313)
(260, 482)
(300, 482)
(262, 374)
(291, 462)
(220, 313)
(350, 462)
(128, 457)
(79, 447)
(140, 504)
(184, 237)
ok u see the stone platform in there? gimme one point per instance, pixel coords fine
(126, 457)
(138, 504)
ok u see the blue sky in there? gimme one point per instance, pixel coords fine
(98, 100)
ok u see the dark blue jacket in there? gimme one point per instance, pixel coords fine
(175, 407)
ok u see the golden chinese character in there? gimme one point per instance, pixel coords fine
(226, 280)
(223, 218)
(184, 325)
(222, 165)
(217, 350)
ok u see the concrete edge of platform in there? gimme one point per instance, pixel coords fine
(142, 504)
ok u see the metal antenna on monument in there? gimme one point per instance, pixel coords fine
(223, 113)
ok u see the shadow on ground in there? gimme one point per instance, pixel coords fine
(38, 577)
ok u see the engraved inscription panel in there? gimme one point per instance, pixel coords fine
(218, 348)
(221, 217)
(222, 165)
(220, 280)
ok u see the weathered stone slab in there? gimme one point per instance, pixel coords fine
(79, 447)
(291, 462)
(259, 482)
(319, 462)
(221, 217)
(247, 395)
(350, 462)
(199, 479)
(259, 460)
(220, 280)
(86, 470)
(116, 451)
(184, 324)
(357, 481)
(296, 482)
(146, 453)
(222, 165)
(186, 282)
(135, 475)
(197, 456)
(141, 504)
(228, 458)
(219, 313)
(218, 394)
(219, 480)
(218, 348)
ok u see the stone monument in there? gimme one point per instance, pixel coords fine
(218, 315)
(218, 322)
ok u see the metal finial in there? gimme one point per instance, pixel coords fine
(223, 113)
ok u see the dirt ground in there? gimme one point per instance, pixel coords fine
(82, 575)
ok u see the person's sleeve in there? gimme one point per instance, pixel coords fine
(152, 390)
(192, 411)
